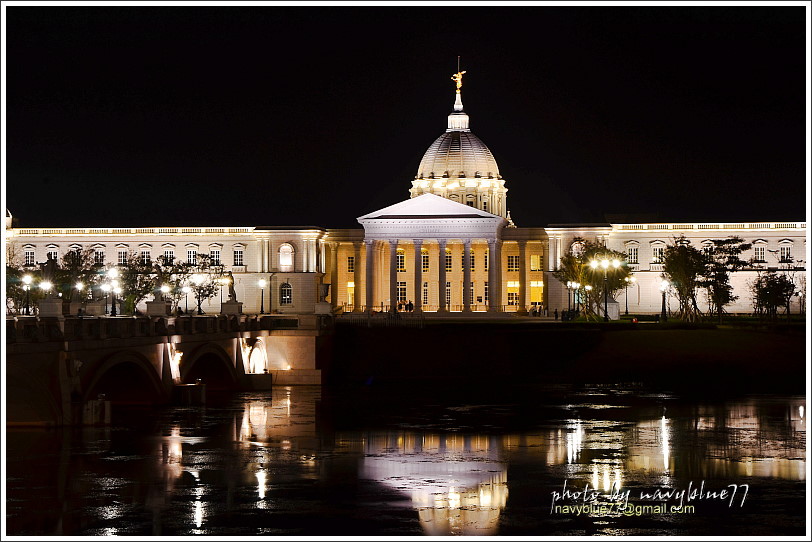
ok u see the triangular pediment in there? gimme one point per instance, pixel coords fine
(428, 206)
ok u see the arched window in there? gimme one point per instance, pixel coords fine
(286, 258)
(285, 294)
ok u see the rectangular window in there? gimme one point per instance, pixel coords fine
(657, 254)
(448, 295)
(350, 264)
(191, 256)
(145, 257)
(401, 292)
(98, 257)
(786, 253)
(536, 292)
(448, 260)
(535, 262)
(473, 261)
(425, 293)
(122, 257)
(53, 254)
(512, 292)
(238, 257)
(401, 261)
(169, 256)
(484, 205)
(350, 293)
(759, 253)
(487, 299)
(29, 258)
(214, 256)
(487, 260)
(513, 263)
(424, 257)
(632, 252)
(513, 298)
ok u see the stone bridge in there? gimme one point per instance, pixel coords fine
(55, 367)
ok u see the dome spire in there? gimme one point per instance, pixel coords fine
(458, 120)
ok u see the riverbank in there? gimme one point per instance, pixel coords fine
(685, 359)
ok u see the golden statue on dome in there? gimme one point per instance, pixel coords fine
(457, 77)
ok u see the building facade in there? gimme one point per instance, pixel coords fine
(454, 230)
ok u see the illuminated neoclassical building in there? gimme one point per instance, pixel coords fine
(454, 230)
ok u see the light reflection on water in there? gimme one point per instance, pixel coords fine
(267, 462)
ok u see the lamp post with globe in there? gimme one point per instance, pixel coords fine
(629, 282)
(27, 287)
(605, 263)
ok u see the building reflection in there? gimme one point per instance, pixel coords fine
(457, 483)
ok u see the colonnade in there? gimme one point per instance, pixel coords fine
(374, 263)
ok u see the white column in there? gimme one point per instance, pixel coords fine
(356, 294)
(393, 275)
(322, 267)
(494, 277)
(522, 277)
(441, 307)
(418, 275)
(466, 276)
(313, 255)
(333, 273)
(370, 272)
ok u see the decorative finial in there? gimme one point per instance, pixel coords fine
(457, 77)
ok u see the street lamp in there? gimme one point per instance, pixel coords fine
(222, 281)
(576, 296)
(164, 290)
(27, 286)
(262, 283)
(605, 263)
(113, 274)
(664, 288)
(629, 281)
(186, 291)
(106, 289)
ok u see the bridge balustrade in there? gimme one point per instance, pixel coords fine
(71, 328)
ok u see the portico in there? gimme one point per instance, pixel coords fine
(429, 223)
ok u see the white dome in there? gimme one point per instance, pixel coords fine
(456, 154)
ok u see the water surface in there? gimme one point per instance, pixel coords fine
(291, 462)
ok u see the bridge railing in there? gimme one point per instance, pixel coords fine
(22, 329)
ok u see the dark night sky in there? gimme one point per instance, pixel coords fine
(267, 115)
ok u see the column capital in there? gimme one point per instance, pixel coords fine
(369, 242)
(442, 242)
(418, 242)
(467, 242)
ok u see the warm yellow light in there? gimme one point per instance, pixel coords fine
(615, 263)
(605, 264)
(112, 273)
(117, 290)
(664, 285)
(198, 279)
(105, 287)
(186, 289)
(165, 288)
(27, 279)
(80, 286)
(46, 285)
(593, 264)
(114, 283)
(262, 283)
(587, 287)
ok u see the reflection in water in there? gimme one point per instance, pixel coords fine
(266, 454)
(458, 483)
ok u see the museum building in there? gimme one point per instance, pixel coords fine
(454, 230)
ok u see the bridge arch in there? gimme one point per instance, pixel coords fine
(212, 364)
(125, 377)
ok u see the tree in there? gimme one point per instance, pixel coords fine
(722, 258)
(15, 292)
(138, 280)
(770, 291)
(77, 266)
(575, 267)
(683, 268)
(205, 279)
(175, 275)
